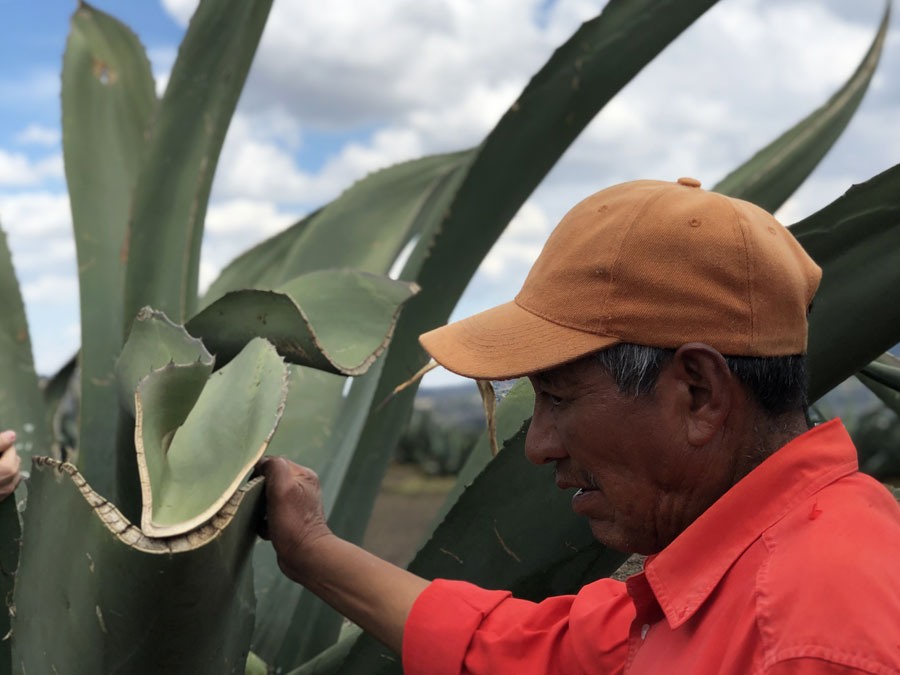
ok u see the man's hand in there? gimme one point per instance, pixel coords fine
(9, 464)
(295, 518)
(372, 593)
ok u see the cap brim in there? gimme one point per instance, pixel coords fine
(506, 342)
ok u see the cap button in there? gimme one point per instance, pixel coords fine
(688, 182)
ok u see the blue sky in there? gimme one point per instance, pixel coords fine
(337, 91)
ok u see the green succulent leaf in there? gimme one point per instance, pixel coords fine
(364, 229)
(198, 438)
(850, 324)
(339, 321)
(108, 98)
(155, 342)
(882, 377)
(21, 403)
(188, 130)
(96, 595)
(10, 533)
(775, 172)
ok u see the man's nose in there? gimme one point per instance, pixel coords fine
(542, 444)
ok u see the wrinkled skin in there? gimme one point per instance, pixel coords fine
(648, 466)
(299, 518)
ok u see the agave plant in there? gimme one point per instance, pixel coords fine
(139, 554)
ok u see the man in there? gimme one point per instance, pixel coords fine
(663, 329)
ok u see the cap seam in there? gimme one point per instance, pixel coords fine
(636, 212)
(752, 346)
(560, 323)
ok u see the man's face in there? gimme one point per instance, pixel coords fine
(636, 476)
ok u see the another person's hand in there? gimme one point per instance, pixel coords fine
(295, 517)
(9, 464)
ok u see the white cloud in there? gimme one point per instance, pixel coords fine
(16, 169)
(181, 10)
(35, 214)
(37, 134)
(51, 289)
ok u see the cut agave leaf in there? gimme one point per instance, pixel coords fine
(338, 321)
(198, 438)
(96, 595)
(155, 342)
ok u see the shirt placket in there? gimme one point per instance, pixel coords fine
(647, 613)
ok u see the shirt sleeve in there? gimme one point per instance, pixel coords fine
(456, 628)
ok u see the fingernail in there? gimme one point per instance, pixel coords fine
(9, 436)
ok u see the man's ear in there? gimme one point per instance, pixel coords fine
(703, 390)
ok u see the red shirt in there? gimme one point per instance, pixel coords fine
(796, 569)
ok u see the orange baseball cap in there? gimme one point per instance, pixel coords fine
(649, 262)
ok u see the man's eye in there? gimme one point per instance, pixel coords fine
(555, 400)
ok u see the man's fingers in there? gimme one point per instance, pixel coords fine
(10, 461)
(7, 438)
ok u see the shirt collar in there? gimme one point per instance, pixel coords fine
(684, 574)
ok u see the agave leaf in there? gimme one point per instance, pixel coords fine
(108, 98)
(365, 228)
(21, 403)
(55, 390)
(10, 532)
(174, 183)
(882, 377)
(96, 595)
(197, 439)
(155, 342)
(850, 324)
(329, 661)
(773, 173)
(513, 412)
(339, 321)
(255, 665)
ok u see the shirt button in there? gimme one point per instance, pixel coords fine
(644, 630)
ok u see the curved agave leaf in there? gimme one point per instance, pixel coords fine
(188, 130)
(882, 377)
(155, 342)
(850, 324)
(198, 438)
(772, 174)
(338, 321)
(108, 98)
(96, 595)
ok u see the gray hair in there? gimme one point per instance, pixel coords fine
(779, 384)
